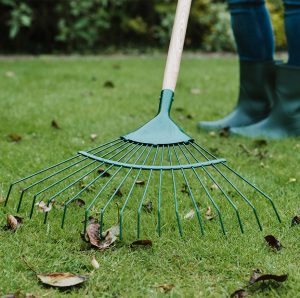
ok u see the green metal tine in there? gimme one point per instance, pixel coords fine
(175, 194)
(159, 192)
(224, 193)
(94, 180)
(105, 185)
(247, 181)
(80, 178)
(239, 192)
(51, 167)
(144, 195)
(115, 192)
(204, 187)
(190, 193)
(66, 177)
(130, 192)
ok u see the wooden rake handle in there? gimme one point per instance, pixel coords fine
(176, 44)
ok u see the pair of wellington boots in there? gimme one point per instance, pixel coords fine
(268, 104)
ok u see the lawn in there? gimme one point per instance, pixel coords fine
(109, 96)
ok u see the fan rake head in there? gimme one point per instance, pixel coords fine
(185, 176)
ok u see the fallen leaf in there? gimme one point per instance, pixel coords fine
(119, 193)
(43, 207)
(14, 137)
(109, 236)
(214, 186)
(95, 264)
(295, 220)
(292, 180)
(79, 202)
(93, 136)
(148, 207)
(103, 172)
(239, 293)
(195, 91)
(108, 84)
(140, 182)
(208, 214)
(273, 242)
(265, 277)
(61, 279)
(164, 288)
(13, 222)
(54, 124)
(255, 274)
(212, 134)
(190, 215)
(261, 142)
(141, 243)
(10, 74)
(224, 132)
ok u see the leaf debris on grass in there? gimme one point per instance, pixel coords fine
(14, 137)
(292, 180)
(195, 91)
(109, 84)
(140, 182)
(214, 186)
(239, 293)
(95, 263)
(224, 132)
(190, 214)
(145, 242)
(165, 288)
(103, 172)
(13, 222)
(93, 137)
(109, 236)
(61, 279)
(295, 220)
(148, 207)
(10, 74)
(43, 207)
(55, 124)
(273, 242)
(79, 202)
(209, 214)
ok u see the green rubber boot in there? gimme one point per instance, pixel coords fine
(254, 101)
(284, 119)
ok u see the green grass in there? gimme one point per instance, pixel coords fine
(71, 92)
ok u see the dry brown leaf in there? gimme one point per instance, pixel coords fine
(295, 220)
(79, 202)
(140, 182)
(93, 136)
(164, 288)
(141, 243)
(224, 132)
(55, 125)
(119, 192)
(14, 137)
(239, 293)
(190, 214)
(254, 276)
(273, 242)
(208, 214)
(61, 279)
(43, 207)
(103, 172)
(95, 263)
(292, 180)
(148, 207)
(13, 222)
(110, 236)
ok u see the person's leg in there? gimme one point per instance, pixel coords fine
(284, 119)
(253, 34)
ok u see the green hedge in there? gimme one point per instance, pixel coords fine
(89, 26)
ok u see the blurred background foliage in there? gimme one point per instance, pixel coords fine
(93, 26)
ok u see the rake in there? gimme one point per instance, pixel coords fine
(153, 154)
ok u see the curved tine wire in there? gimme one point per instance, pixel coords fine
(78, 179)
(51, 167)
(113, 195)
(204, 187)
(93, 181)
(144, 195)
(159, 192)
(130, 191)
(223, 192)
(256, 188)
(191, 193)
(175, 194)
(243, 178)
(46, 178)
(66, 177)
